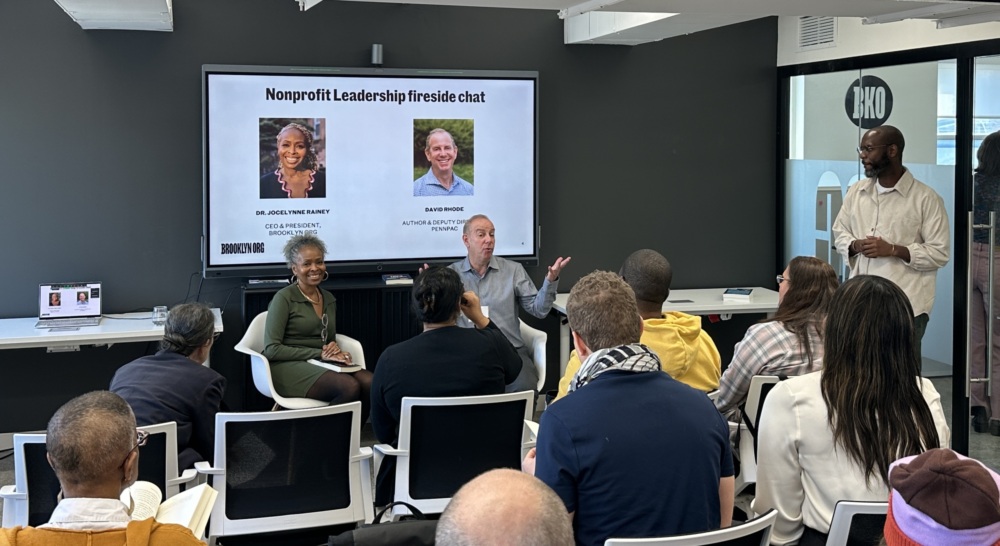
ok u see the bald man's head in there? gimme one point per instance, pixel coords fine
(502, 507)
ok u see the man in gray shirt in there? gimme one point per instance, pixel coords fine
(502, 284)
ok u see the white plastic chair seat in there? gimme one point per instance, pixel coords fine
(535, 340)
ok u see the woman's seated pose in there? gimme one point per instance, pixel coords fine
(831, 435)
(789, 343)
(444, 360)
(301, 324)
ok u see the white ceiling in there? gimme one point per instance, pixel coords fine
(626, 22)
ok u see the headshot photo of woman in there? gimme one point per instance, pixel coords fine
(55, 300)
(297, 171)
(82, 298)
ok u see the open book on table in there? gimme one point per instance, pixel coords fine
(190, 508)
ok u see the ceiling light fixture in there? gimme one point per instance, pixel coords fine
(589, 5)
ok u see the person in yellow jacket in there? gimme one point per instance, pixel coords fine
(93, 446)
(686, 352)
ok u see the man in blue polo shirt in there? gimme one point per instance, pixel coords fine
(632, 452)
(441, 179)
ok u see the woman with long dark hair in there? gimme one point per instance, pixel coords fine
(789, 343)
(986, 199)
(831, 435)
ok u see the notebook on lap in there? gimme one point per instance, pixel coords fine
(69, 304)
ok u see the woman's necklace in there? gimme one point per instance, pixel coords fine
(314, 302)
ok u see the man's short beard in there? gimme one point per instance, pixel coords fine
(877, 168)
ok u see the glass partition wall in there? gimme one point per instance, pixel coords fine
(982, 382)
(828, 115)
(946, 105)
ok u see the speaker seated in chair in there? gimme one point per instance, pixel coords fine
(301, 326)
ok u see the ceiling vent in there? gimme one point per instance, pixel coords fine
(817, 32)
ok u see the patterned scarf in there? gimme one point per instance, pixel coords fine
(632, 358)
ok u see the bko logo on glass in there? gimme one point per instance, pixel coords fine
(868, 102)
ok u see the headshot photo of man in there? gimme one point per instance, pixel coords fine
(82, 298)
(439, 168)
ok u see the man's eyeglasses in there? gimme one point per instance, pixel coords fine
(869, 149)
(780, 279)
(326, 322)
(140, 440)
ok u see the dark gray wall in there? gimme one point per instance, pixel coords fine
(668, 145)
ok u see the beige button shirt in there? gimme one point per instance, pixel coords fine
(911, 214)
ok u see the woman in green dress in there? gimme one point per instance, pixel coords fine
(301, 324)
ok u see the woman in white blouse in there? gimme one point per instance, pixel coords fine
(831, 435)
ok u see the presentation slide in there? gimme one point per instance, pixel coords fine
(381, 168)
(69, 300)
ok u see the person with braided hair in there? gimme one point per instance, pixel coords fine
(444, 360)
(298, 173)
(175, 385)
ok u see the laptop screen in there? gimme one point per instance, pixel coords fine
(69, 300)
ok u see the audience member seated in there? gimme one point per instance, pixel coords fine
(444, 360)
(92, 445)
(831, 435)
(686, 352)
(791, 342)
(503, 507)
(941, 497)
(302, 324)
(631, 451)
(502, 285)
(173, 384)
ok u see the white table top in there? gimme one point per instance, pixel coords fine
(20, 333)
(705, 301)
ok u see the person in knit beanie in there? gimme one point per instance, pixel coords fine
(940, 497)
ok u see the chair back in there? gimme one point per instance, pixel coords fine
(536, 340)
(756, 532)
(450, 440)
(158, 459)
(252, 344)
(288, 470)
(32, 498)
(857, 523)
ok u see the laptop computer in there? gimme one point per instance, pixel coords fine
(70, 304)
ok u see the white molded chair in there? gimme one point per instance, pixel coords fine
(536, 339)
(445, 442)
(288, 470)
(758, 528)
(867, 528)
(253, 343)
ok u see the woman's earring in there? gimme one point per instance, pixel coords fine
(326, 275)
(292, 280)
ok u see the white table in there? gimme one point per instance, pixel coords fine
(20, 333)
(700, 301)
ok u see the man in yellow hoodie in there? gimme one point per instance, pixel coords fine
(686, 352)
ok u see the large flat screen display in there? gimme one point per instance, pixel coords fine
(383, 165)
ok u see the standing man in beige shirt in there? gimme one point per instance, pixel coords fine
(893, 225)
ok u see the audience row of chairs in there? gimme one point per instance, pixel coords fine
(306, 468)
